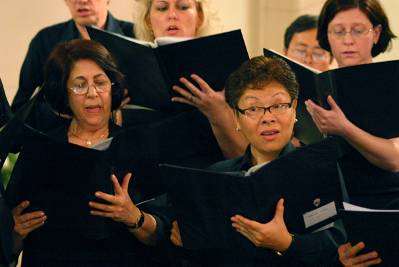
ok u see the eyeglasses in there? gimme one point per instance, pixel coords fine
(256, 112)
(317, 56)
(356, 32)
(99, 86)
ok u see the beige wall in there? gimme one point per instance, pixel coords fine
(262, 21)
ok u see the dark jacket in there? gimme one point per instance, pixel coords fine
(43, 43)
(316, 249)
(117, 247)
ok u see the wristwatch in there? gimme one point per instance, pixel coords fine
(138, 223)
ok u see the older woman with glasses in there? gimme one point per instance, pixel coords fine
(263, 92)
(355, 31)
(82, 81)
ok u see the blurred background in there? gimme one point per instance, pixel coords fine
(263, 23)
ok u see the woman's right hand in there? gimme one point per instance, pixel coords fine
(175, 236)
(348, 256)
(24, 223)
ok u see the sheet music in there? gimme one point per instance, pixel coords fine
(351, 207)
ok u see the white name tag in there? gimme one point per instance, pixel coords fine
(320, 214)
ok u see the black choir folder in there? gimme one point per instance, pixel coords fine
(61, 178)
(205, 200)
(378, 229)
(151, 72)
(367, 94)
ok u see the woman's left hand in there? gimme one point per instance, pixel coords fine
(120, 208)
(211, 103)
(273, 235)
(331, 121)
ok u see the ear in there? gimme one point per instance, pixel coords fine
(200, 17)
(236, 120)
(377, 33)
(285, 51)
(294, 106)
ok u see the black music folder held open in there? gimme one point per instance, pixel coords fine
(205, 200)
(367, 94)
(151, 72)
(60, 179)
(378, 229)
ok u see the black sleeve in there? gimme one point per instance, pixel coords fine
(319, 247)
(31, 74)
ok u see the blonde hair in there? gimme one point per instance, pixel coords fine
(210, 21)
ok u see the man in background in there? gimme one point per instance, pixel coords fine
(83, 13)
(300, 43)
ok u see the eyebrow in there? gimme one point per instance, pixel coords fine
(256, 98)
(95, 76)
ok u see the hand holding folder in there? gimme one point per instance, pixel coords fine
(204, 201)
(378, 229)
(365, 93)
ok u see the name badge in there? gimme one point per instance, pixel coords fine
(320, 214)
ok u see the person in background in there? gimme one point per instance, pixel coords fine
(300, 44)
(355, 31)
(83, 13)
(191, 18)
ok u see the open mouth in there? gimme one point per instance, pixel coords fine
(172, 29)
(269, 134)
(93, 109)
(84, 11)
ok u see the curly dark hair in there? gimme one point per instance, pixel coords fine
(59, 66)
(256, 73)
(373, 11)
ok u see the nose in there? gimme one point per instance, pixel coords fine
(348, 38)
(268, 117)
(308, 58)
(92, 91)
(172, 14)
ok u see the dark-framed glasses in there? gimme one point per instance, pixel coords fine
(355, 32)
(99, 86)
(256, 112)
(317, 55)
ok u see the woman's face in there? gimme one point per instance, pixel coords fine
(354, 46)
(91, 109)
(267, 133)
(178, 18)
